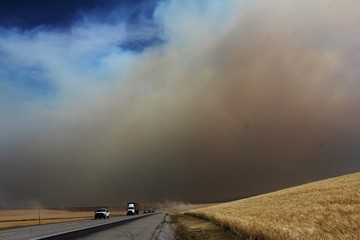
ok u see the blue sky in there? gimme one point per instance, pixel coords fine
(193, 97)
(63, 26)
(62, 14)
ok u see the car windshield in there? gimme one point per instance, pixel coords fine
(101, 210)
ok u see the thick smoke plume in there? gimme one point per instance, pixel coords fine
(242, 98)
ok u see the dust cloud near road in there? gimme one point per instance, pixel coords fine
(197, 101)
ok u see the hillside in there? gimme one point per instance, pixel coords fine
(328, 209)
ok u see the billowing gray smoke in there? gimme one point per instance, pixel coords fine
(241, 99)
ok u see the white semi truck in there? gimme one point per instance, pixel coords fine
(132, 208)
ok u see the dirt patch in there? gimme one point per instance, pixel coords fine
(190, 228)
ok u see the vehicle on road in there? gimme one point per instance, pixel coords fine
(132, 208)
(146, 211)
(102, 213)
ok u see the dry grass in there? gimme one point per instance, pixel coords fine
(28, 217)
(328, 209)
(190, 228)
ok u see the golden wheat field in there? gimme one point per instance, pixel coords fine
(27, 217)
(328, 209)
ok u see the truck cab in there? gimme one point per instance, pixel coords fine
(132, 208)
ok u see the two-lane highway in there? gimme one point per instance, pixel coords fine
(125, 227)
(143, 228)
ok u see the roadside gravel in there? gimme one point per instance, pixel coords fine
(164, 231)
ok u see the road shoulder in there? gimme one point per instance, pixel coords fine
(164, 230)
(188, 227)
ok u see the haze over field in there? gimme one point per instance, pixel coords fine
(108, 101)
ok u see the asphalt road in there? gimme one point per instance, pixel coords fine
(34, 232)
(142, 229)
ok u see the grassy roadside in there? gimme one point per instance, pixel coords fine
(190, 228)
(28, 217)
(32, 222)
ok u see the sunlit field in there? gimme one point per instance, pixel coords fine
(28, 217)
(328, 209)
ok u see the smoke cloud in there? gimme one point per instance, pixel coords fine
(241, 98)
